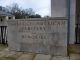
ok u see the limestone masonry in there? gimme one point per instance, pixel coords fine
(48, 36)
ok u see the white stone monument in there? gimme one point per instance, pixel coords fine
(39, 35)
(59, 8)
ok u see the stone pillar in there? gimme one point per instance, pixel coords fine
(58, 8)
(72, 21)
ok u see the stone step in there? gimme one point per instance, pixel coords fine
(14, 55)
(26, 57)
(42, 57)
(60, 58)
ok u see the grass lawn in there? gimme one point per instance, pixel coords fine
(3, 46)
(75, 48)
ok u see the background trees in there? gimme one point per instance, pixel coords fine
(20, 13)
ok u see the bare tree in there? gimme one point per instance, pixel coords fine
(21, 13)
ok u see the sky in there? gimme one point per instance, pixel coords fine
(41, 7)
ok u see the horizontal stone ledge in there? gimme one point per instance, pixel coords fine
(37, 19)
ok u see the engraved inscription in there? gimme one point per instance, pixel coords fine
(38, 36)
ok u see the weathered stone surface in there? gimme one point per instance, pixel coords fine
(60, 58)
(26, 57)
(45, 35)
(5, 52)
(59, 9)
(42, 57)
(8, 55)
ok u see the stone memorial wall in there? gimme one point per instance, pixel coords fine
(38, 35)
